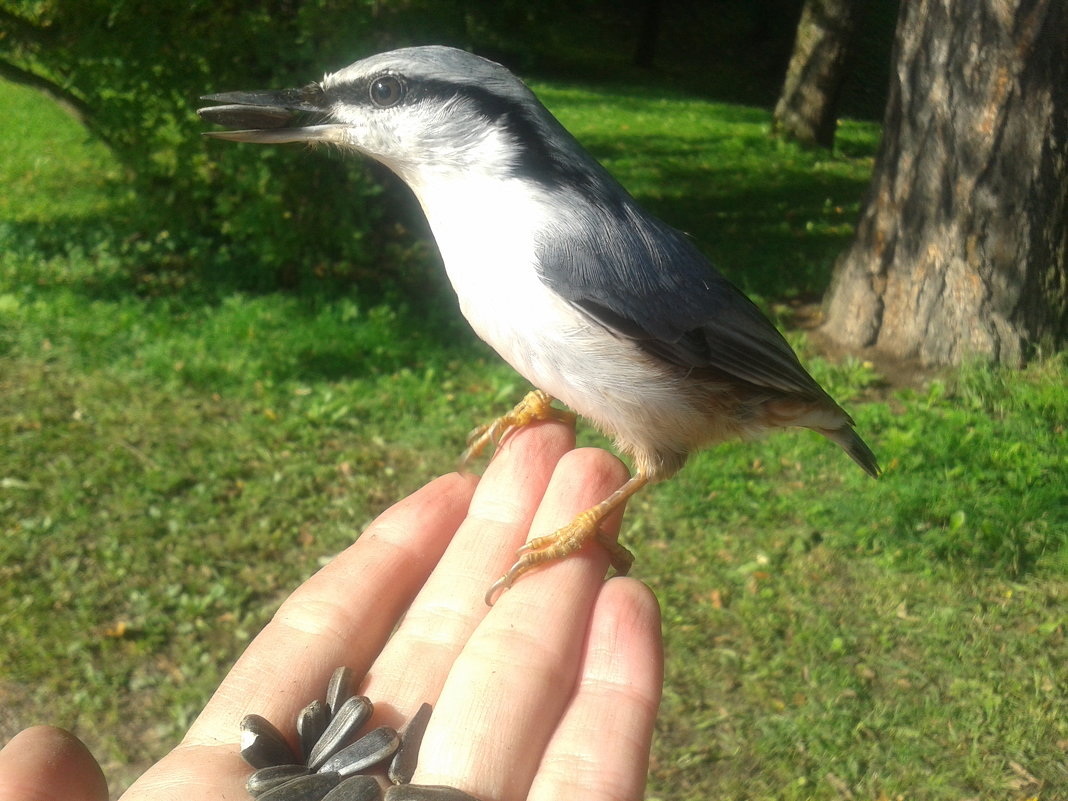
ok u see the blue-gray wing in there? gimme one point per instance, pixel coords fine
(645, 281)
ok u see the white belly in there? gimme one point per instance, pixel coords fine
(487, 242)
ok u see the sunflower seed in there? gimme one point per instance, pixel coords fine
(356, 788)
(262, 744)
(270, 777)
(345, 723)
(311, 723)
(313, 787)
(339, 690)
(425, 792)
(402, 768)
(370, 749)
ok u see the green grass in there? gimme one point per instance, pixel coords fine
(177, 458)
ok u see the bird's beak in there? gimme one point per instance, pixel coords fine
(271, 117)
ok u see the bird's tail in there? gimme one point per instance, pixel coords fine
(826, 417)
(852, 444)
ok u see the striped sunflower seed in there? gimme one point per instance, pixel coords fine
(272, 776)
(402, 768)
(339, 690)
(425, 792)
(313, 787)
(369, 750)
(346, 722)
(311, 724)
(356, 788)
(262, 744)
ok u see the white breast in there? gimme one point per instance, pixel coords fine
(487, 230)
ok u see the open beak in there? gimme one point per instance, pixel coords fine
(271, 117)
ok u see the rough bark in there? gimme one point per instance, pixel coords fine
(808, 106)
(961, 248)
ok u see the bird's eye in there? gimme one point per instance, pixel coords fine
(386, 91)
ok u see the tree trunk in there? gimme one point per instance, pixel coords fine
(960, 251)
(648, 34)
(808, 107)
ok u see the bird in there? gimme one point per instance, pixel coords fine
(593, 300)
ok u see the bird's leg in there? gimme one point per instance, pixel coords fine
(535, 406)
(573, 536)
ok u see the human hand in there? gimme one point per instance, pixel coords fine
(550, 694)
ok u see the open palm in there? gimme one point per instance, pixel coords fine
(550, 694)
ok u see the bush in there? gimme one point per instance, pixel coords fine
(133, 72)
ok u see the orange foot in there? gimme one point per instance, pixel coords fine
(535, 406)
(565, 541)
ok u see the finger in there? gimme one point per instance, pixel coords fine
(341, 616)
(600, 751)
(509, 686)
(49, 764)
(413, 665)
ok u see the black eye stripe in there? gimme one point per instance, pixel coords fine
(541, 161)
(485, 103)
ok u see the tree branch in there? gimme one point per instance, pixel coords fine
(64, 98)
(24, 30)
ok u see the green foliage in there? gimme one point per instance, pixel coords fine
(255, 217)
(178, 457)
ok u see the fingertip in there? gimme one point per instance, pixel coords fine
(455, 488)
(567, 584)
(595, 465)
(515, 479)
(457, 481)
(45, 763)
(633, 601)
(627, 615)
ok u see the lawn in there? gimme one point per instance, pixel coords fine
(177, 458)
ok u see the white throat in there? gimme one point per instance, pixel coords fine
(487, 229)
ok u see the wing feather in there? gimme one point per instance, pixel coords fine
(645, 281)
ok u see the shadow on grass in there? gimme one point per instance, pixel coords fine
(108, 290)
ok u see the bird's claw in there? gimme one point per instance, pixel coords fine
(561, 543)
(505, 581)
(535, 406)
(479, 438)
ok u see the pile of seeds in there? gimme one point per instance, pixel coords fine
(333, 760)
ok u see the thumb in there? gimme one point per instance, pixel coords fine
(44, 763)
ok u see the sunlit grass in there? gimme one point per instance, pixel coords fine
(178, 457)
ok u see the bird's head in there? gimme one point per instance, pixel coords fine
(420, 111)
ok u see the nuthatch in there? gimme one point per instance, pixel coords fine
(556, 266)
